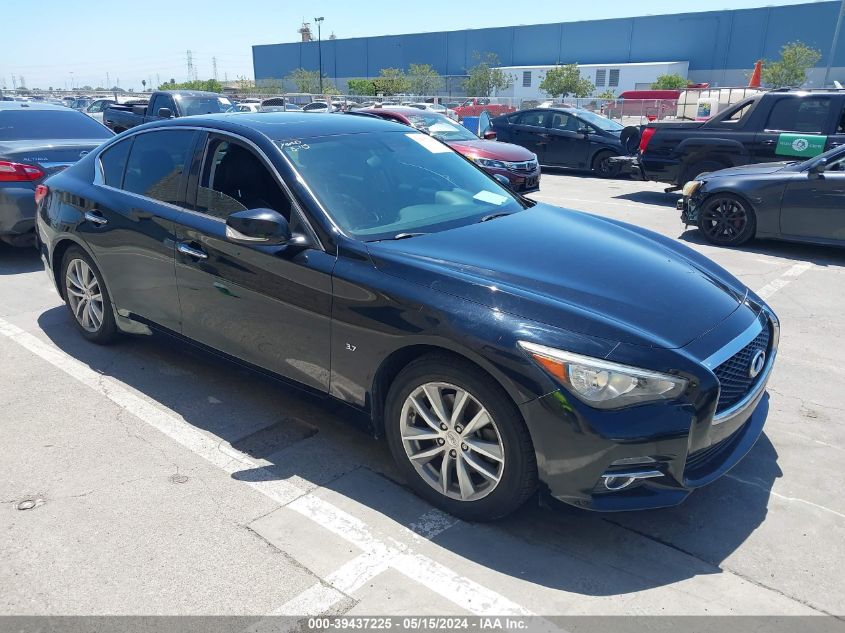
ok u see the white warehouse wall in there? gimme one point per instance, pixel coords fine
(637, 76)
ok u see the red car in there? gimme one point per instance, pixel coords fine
(515, 163)
(476, 105)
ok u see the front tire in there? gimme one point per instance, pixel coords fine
(87, 298)
(458, 439)
(603, 167)
(726, 220)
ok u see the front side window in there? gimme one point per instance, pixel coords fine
(378, 186)
(234, 179)
(113, 161)
(440, 127)
(799, 114)
(156, 163)
(563, 121)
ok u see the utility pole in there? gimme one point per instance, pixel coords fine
(834, 44)
(108, 82)
(190, 59)
(319, 22)
(214, 68)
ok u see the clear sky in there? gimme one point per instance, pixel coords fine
(62, 42)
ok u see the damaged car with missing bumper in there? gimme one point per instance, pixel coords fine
(502, 346)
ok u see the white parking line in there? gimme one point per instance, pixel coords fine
(784, 280)
(377, 556)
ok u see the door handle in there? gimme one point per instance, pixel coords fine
(94, 217)
(190, 251)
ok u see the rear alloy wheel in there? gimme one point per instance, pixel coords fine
(87, 298)
(604, 167)
(726, 220)
(459, 440)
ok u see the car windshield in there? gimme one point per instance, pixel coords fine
(440, 127)
(600, 122)
(386, 185)
(17, 125)
(205, 105)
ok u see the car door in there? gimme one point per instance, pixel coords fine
(129, 227)
(528, 129)
(796, 127)
(267, 305)
(814, 203)
(160, 101)
(566, 146)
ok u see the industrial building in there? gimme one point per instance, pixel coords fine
(719, 47)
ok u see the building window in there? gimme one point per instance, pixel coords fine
(601, 77)
(614, 78)
(526, 78)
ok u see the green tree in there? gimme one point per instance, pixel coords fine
(670, 82)
(391, 81)
(565, 80)
(424, 80)
(485, 77)
(361, 86)
(607, 94)
(209, 85)
(307, 81)
(791, 69)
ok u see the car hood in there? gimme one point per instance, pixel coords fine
(574, 271)
(757, 169)
(493, 149)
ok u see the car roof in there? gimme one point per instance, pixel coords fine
(281, 126)
(32, 105)
(192, 93)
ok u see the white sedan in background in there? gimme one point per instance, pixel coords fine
(436, 107)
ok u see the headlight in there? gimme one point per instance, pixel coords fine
(691, 187)
(602, 384)
(488, 162)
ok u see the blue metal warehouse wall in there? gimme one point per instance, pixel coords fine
(717, 44)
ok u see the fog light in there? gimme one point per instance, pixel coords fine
(621, 480)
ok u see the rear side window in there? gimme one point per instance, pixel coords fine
(532, 118)
(25, 124)
(156, 163)
(113, 161)
(800, 114)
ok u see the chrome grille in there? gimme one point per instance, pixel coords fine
(734, 377)
(526, 166)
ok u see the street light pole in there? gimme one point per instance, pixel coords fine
(834, 44)
(320, 49)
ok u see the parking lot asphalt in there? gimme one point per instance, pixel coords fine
(149, 478)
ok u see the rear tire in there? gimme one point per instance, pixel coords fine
(87, 298)
(726, 220)
(603, 167)
(477, 464)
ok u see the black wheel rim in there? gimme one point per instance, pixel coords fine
(605, 166)
(724, 220)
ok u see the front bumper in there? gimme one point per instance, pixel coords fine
(660, 452)
(520, 181)
(629, 165)
(689, 208)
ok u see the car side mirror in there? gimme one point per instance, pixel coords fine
(165, 113)
(263, 227)
(503, 180)
(489, 135)
(818, 168)
(585, 131)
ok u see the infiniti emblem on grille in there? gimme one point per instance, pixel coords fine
(758, 361)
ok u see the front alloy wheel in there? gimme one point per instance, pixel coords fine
(452, 441)
(726, 220)
(458, 438)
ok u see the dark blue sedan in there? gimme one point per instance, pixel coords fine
(500, 345)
